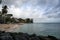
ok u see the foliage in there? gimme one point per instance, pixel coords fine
(0, 1)
(4, 9)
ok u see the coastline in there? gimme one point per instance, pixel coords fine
(9, 27)
(6, 30)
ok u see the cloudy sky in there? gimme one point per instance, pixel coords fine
(44, 10)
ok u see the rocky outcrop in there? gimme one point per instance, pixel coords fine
(23, 36)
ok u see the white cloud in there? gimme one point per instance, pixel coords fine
(0, 7)
(33, 8)
(15, 11)
(26, 12)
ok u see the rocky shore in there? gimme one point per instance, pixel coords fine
(23, 36)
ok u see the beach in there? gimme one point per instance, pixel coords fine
(9, 27)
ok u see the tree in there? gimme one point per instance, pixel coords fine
(4, 12)
(9, 15)
(21, 20)
(4, 9)
(31, 20)
(0, 1)
(27, 20)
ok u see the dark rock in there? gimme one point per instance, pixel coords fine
(41, 38)
(58, 39)
(23, 36)
(6, 38)
(20, 38)
(52, 37)
(33, 35)
(34, 38)
(2, 32)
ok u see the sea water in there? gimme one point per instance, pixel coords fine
(44, 29)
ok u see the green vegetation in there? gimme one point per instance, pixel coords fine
(0, 1)
(27, 20)
(7, 18)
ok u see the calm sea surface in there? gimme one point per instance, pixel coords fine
(41, 29)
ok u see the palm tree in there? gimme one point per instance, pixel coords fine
(4, 12)
(4, 9)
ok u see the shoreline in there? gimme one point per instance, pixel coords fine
(9, 27)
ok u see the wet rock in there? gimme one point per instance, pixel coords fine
(33, 35)
(26, 36)
(41, 38)
(20, 38)
(34, 38)
(52, 37)
(2, 32)
(23, 36)
(5, 36)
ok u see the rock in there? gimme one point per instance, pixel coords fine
(26, 35)
(33, 35)
(41, 38)
(5, 36)
(2, 32)
(34, 38)
(18, 37)
(23, 36)
(52, 37)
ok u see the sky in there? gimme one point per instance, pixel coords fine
(39, 10)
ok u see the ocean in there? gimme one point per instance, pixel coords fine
(44, 29)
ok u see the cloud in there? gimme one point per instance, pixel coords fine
(45, 20)
(33, 8)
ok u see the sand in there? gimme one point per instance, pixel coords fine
(9, 27)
